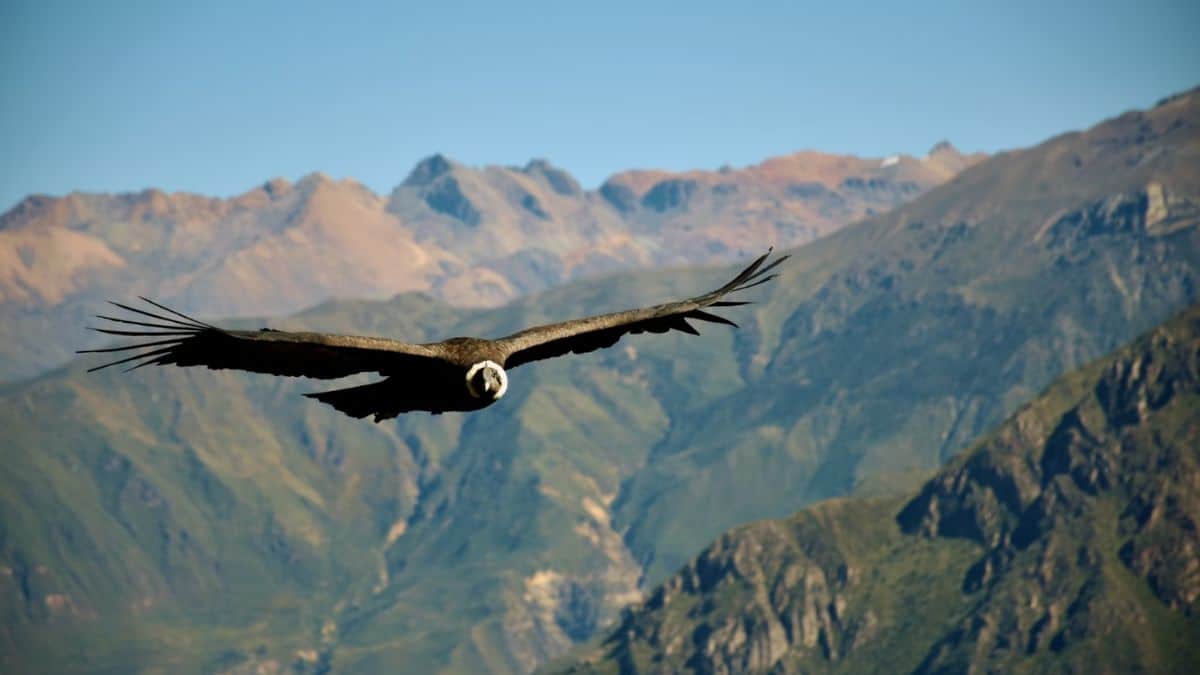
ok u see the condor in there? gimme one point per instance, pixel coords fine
(458, 374)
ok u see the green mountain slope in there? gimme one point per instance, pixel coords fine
(1064, 541)
(185, 520)
(199, 521)
(891, 344)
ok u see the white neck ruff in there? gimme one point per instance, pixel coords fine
(480, 366)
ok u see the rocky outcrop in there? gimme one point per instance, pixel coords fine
(560, 181)
(446, 197)
(757, 595)
(428, 170)
(669, 194)
(1065, 513)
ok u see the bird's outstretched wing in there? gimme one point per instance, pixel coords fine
(167, 337)
(597, 332)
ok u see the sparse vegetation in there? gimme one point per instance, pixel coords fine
(200, 521)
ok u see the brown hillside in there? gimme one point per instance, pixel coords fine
(471, 236)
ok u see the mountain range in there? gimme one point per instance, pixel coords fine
(188, 520)
(1064, 541)
(472, 237)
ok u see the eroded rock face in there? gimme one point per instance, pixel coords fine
(555, 609)
(1126, 449)
(1032, 551)
(1149, 213)
(783, 599)
(1030, 478)
(670, 194)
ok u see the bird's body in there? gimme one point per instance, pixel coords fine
(460, 374)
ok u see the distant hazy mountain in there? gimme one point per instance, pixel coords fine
(473, 237)
(1064, 541)
(201, 521)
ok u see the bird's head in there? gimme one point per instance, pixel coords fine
(487, 380)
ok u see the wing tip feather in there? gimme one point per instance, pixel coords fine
(174, 331)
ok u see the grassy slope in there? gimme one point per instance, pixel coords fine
(191, 510)
(195, 517)
(892, 344)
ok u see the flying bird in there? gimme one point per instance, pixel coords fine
(458, 374)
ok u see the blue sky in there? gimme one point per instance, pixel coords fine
(217, 97)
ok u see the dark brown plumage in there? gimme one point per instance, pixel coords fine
(458, 374)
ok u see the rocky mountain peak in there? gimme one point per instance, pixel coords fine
(276, 187)
(428, 170)
(560, 181)
(313, 180)
(1187, 95)
(943, 147)
(29, 208)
